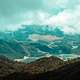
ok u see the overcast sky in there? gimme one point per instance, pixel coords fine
(63, 13)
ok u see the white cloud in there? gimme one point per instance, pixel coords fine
(59, 19)
(37, 37)
(68, 20)
(36, 17)
(13, 16)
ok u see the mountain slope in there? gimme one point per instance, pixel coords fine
(51, 68)
(67, 72)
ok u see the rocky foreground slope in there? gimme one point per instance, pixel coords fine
(51, 68)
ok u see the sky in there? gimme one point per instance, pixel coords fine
(62, 13)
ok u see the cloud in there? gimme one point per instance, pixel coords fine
(37, 37)
(12, 12)
(59, 19)
(68, 20)
(63, 13)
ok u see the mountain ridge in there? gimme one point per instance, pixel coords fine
(51, 68)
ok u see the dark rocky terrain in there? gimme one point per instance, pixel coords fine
(51, 68)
